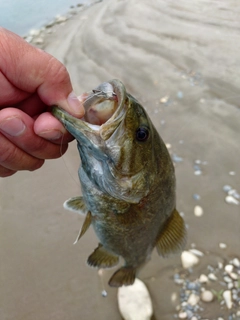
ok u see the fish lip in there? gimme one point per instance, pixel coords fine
(79, 127)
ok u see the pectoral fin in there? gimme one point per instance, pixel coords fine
(172, 237)
(124, 276)
(86, 224)
(102, 258)
(76, 204)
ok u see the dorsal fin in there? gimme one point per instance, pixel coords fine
(76, 204)
(86, 224)
(172, 237)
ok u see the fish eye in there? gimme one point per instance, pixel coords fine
(142, 134)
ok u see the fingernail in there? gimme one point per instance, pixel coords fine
(12, 126)
(51, 134)
(75, 104)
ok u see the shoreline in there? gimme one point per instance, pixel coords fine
(36, 36)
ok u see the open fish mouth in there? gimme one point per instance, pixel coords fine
(105, 108)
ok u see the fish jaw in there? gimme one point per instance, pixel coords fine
(86, 134)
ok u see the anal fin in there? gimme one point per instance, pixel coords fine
(172, 237)
(102, 258)
(124, 276)
(86, 224)
(76, 204)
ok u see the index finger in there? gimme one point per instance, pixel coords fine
(32, 70)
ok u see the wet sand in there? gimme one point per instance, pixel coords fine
(182, 61)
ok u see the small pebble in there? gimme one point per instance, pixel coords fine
(168, 145)
(194, 318)
(231, 199)
(193, 286)
(197, 172)
(164, 99)
(176, 158)
(134, 301)
(222, 245)
(227, 296)
(212, 277)
(196, 196)
(203, 278)
(198, 211)
(228, 268)
(220, 265)
(227, 188)
(233, 275)
(207, 296)
(180, 94)
(236, 262)
(227, 279)
(230, 286)
(188, 259)
(197, 252)
(232, 173)
(193, 299)
(198, 161)
(182, 315)
(104, 293)
(174, 297)
(234, 193)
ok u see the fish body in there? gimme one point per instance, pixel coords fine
(127, 180)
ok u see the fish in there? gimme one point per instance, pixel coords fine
(127, 180)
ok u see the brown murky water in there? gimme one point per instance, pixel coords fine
(182, 61)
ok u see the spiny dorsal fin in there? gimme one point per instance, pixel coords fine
(172, 238)
(102, 258)
(86, 224)
(124, 276)
(76, 204)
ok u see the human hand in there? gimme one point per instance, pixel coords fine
(30, 81)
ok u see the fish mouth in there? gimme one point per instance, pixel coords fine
(105, 108)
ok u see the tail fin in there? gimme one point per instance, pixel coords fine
(124, 276)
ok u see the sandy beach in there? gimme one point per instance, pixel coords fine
(182, 62)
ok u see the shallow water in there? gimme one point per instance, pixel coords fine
(20, 16)
(182, 61)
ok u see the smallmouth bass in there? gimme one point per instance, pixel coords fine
(128, 182)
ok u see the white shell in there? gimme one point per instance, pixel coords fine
(188, 259)
(134, 302)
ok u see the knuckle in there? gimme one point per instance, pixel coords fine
(57, 71)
